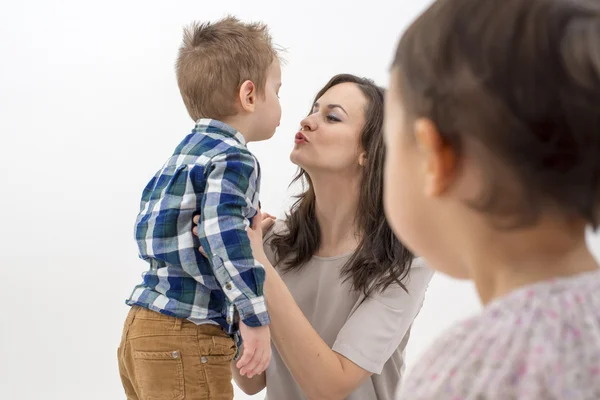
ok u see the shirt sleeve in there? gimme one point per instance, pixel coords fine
(227, 205)
(375, 329)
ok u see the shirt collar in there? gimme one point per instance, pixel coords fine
(213, 126)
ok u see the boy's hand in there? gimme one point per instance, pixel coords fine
(257, 350)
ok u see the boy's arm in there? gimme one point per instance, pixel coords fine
(230, 188)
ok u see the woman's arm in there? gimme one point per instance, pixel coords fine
(320, 372)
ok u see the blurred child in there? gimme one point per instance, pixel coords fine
(492, 174)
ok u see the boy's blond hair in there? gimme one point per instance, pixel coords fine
(216, 58)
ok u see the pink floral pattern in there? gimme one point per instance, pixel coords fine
(538, 342)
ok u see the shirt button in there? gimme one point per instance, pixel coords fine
(203, 360)
(175, 354)
(228, 286)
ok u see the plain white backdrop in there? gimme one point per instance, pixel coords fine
(89, 110)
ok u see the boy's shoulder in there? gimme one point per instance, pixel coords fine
(236, 155)
(208, 146)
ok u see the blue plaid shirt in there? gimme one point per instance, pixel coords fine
(213, 174)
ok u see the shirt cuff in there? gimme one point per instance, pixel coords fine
(253, 311)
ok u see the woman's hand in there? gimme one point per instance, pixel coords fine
(260, 223)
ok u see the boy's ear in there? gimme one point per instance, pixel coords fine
(247, 96)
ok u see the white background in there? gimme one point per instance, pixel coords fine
(89, 110)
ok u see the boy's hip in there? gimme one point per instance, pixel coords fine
(204, 307)
(142, 322)
(162, 355)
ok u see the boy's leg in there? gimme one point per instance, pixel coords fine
(172, 359)
(217, 351)
(125, 380)
(127, 385)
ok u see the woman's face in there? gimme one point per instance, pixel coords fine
(329, 139)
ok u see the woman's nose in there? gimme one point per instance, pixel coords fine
(308, 124)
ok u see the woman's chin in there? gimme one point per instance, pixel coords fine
(296, 158)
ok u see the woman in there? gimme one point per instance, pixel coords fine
(344, 295)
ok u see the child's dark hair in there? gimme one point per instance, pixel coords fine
(520, 80)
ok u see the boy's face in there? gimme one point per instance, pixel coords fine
(268, 109)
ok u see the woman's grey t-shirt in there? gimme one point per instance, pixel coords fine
(371, 333)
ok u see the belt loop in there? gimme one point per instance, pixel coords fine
(129, 320)
(178, 323)
(132, 313)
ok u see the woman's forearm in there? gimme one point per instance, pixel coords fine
(319, 371)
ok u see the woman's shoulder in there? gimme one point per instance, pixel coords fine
(279, 227)
(415, 285)
(419, 266)
(420, 275)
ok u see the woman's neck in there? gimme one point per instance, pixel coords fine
(335, 208)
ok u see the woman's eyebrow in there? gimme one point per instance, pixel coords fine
(332, 106)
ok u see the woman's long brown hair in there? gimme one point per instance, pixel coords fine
(380, 259)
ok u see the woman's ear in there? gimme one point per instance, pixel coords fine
(362, 159)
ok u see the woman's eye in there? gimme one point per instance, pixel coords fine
(333, 118)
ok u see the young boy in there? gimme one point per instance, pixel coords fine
(179, 337)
